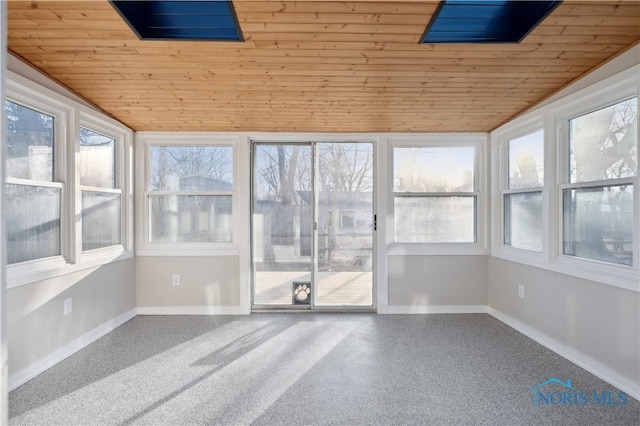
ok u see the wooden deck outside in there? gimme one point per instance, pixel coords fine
(332, 288)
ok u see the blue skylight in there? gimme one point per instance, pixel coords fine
(486, 21)
(181, 20)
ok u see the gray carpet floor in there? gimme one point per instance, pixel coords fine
(313, 369)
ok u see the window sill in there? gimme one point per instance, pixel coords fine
(620, 276)
(188, 252)
(444, 249)
(519, 255)
(104, 255)
(39, 270)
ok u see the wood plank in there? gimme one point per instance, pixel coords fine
(224, 81)
(363, 62)
(602, 30)
(303, 31)
(593, 21)
(414, 36)
(144, 97)
(388, 7)
(138, 89)
(33, 39)
(317, 108)
(124, 53)
(105, 25)
(609, 9)
(125, 34)
(294, 70)
(334, 18)
(57, 5)
(397, 97)
(523, 47)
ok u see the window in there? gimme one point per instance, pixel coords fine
(568, 184)
(34, 195)
(597, 201)
(68, 185)
(435, 196)
(101, 197)
(522, 197)
(190, 194)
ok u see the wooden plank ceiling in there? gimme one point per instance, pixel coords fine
(327, 66)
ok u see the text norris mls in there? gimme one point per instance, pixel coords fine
(570, 396)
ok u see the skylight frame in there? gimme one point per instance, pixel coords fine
(144, 30)
(547, 7)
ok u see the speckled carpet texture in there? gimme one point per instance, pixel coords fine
(319, 369)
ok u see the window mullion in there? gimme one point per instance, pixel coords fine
(27, 182)
(98, 189)
(598, 183)
(434, 194)
(522, 190)
(192, 193)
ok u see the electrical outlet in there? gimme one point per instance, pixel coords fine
(176, 280)
(521, 291)
(68, 306)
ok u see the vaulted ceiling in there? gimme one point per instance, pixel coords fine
(328, 66)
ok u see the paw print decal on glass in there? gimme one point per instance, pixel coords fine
(301, 293)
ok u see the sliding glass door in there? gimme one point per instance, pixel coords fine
(282, 223)
(312, 225)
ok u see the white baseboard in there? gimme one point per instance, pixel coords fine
(580, 359)
(23, 376)
(193, 310)
(434, 309)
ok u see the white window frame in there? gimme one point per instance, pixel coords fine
(479, 141)
(555, 118)
(500, 186)
(27, 96)
(146, 140)
(621, 87)
(66, 113)
(122, 186)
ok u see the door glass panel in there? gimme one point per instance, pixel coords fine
(344, 185)
(282, 224)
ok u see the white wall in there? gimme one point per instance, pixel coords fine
(40, 335)
(433, 283)
(601, 323)
(208, 285)
(594, 324)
